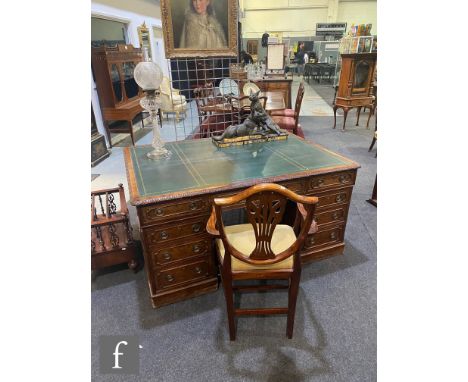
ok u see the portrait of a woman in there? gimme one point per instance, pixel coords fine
(201, 29)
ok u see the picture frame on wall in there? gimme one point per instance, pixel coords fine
(206, 28)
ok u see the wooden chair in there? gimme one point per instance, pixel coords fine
(265, 248)
(242, 108)
(292, 123)
(111, 232)
(206, 99)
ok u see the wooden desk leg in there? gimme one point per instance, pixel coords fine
(334, 114)
(358, 115)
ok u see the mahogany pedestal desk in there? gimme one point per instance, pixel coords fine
(174, 197)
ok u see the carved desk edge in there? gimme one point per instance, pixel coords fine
(137, 200)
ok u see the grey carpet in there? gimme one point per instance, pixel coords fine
(335, 330)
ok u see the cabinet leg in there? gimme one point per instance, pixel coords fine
(131, 132)
(345, 110)
(334, 115)
(133, 265)
(358, 115)
(106, 126)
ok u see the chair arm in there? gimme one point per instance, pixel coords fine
(303, 213)
(211, 225)
(175, 91)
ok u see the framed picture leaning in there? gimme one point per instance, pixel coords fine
(199, 28)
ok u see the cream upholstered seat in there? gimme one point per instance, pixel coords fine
(242, 238)
(171, 99)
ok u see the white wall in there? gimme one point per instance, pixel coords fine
(358, 12)
(133, 13)
(298, 18)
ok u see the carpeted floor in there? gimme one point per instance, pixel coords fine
(335, 337)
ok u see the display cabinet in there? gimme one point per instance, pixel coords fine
(356, 81)
(119, 94)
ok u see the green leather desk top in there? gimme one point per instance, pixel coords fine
(198, 166)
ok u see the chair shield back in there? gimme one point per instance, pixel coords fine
(264, 211)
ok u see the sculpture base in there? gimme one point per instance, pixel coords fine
(257, 138)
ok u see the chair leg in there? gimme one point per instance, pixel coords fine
(229, 296)
(292, 299)
(373, 143)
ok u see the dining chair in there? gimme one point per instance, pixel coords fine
(265, 248)
(242, 108)
(205, 99)
(291, 123)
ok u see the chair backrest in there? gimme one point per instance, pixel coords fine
(203, 93)
(166, 86)
(244, 110)
(265, 206)
(297, 106)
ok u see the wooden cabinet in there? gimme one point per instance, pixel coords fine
(119, 94)
(356, 81)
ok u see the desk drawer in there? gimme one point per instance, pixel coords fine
(177, 276)
(331, 180)
(169, 255)
(159, 212)
(325, 237)
(330, 216)
(334, 198)
(176, 230)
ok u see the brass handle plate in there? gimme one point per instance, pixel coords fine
(169, 278)
(196, 227)
(167, 256)
(164, 235)
(198, 270)
(196, 248)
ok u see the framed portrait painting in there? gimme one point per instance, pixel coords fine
(199, 28)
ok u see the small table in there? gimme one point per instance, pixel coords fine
(275, 101)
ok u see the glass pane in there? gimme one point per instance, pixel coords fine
(115, 78)
(361, 74)
(131, 87)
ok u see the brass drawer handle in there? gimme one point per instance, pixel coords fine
(344, 178)
(340, 198)
(335, 216)
(196, 227)
(169, 278)
(196, 248)
(333, 235)
(311, 241)
(167, 256)
(316, 218)
(193, 206)
(198, 270)
(159, 212)
(164, 235)
(319, 183)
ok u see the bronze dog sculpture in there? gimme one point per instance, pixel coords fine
(258, 122)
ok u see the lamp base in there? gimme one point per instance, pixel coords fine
(159, 153)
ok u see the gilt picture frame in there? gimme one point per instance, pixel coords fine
(200, 28)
